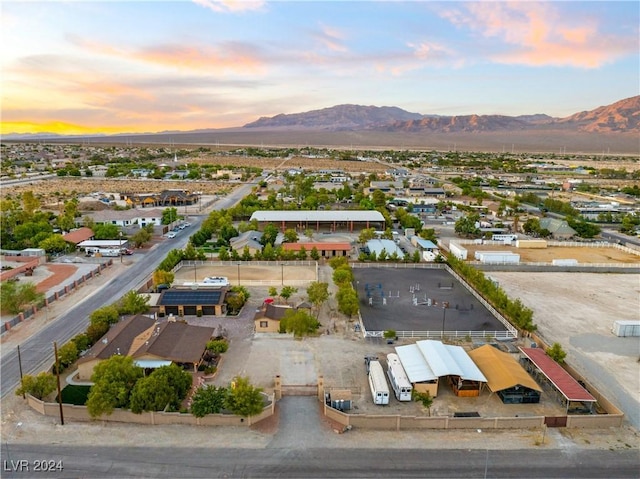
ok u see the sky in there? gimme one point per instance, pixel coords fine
(147, 66)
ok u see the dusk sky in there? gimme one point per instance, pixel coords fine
(111, 67)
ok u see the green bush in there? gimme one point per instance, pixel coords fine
(218, 346)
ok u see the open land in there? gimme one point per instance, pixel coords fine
(589, 255)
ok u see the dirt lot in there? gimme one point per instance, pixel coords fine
(578, 310)
(248, 273)
(582, 254)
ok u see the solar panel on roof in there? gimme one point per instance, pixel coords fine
(175, 298)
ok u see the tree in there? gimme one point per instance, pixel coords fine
(140, 237)
(162, 277)
(113, 381)
(315, 254)
(298, 322)
(243, 398)
(106, 231)
(14, 297)
(163, 389)
(290, 236)
(53, 244)
(67, 354)
(38, 386)
(30, 204)
(218, 346)
(287, 292)
(269, 235)
(425, 398)
(378, 198)
(318, 294)
(106, 315)
(133, 303)
(169, 215)
(342, 276)
(366, 234)
(467, 225)
(347, 301)
(556, 353)
(208, 400)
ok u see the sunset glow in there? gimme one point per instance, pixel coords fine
(115, 67)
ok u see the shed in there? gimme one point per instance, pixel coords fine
(575, 397)
(505, 376)
(207, 301)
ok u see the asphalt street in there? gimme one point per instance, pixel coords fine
(20, 461)
(37, 351)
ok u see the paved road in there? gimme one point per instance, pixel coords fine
(196, 462)
(37, 352)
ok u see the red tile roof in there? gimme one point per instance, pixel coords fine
(561, 379)
(79, 235)
(319, 246)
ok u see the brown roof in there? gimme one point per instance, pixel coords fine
(119, 338)
(79, 235)
(139, 335)
(176, 341)
(318, 246)
(272, 311)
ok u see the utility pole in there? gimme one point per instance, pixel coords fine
(20, 366)
(55, 351)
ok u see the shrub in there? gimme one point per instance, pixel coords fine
(218, 346)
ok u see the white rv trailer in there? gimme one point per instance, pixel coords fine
(398, 378)
(378, 384)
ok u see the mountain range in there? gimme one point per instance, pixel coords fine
(621, 116)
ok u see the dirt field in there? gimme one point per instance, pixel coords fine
(248, 273)
(578, 310)
(546, 255)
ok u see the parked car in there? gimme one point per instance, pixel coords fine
(171, 234)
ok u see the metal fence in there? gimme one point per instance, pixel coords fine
(510, 333)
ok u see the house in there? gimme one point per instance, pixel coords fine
(249, 239)
(559, 229)
(78, 236)
(203, 301)
(150, 343)
(267, 318)
(325, 250)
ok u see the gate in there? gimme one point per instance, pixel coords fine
(555, 421)
(299, 389)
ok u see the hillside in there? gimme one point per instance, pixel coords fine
(622, 116)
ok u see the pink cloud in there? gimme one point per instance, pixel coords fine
(331, 38)
(540, 34)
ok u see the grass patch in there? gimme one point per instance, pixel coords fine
(76, 395)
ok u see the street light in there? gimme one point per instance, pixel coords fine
(445, 305)
(238, 273)
(195, 270)
(282, 274)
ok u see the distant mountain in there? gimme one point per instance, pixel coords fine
(337, 118)
(622, 116)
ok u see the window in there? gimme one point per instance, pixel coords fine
(264, 324)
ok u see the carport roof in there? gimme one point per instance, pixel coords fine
(501, 369)
(449, 360)
(561, 379)
(414, 364)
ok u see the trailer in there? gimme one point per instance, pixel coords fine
(622, 328)
(398, 378)
(378, 384)
(457, 250)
